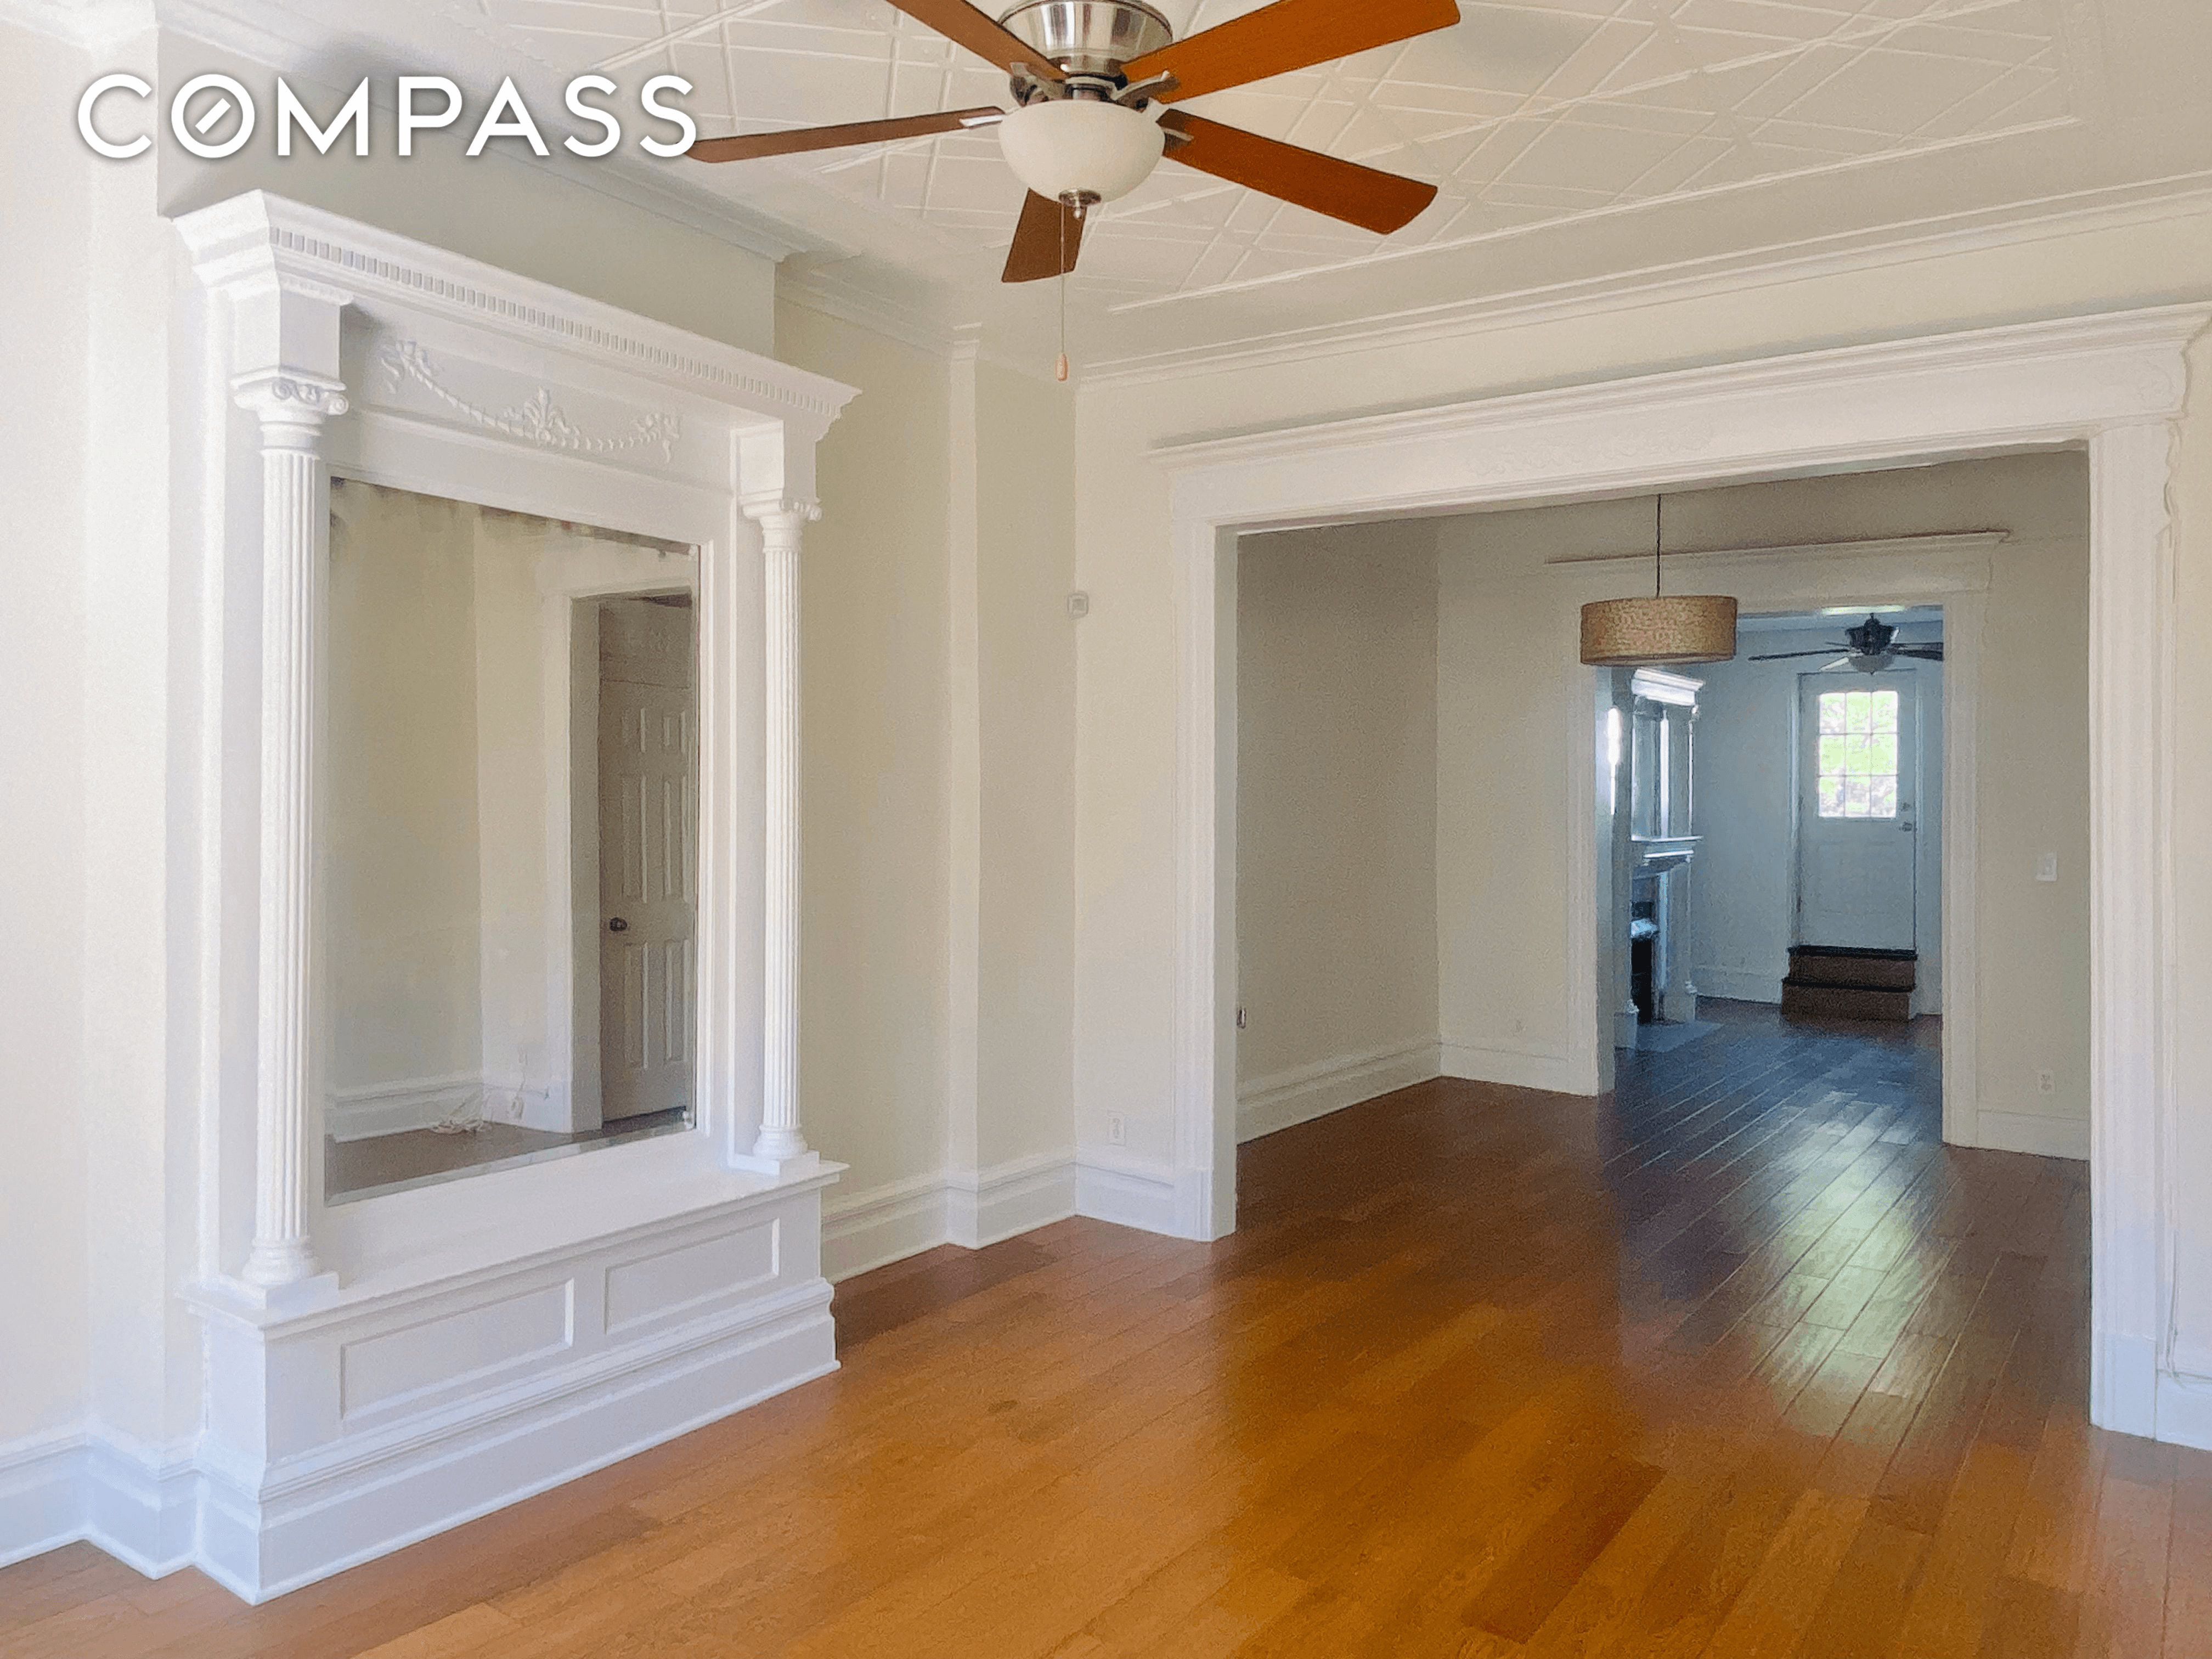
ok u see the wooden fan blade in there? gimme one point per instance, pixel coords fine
(1375, 201)
(1291, 34)
(958, 21)
(1035, 253)
(746, 146)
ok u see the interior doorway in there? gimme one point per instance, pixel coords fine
(642, 842)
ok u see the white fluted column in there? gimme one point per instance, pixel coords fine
(292, 408)
(782, 1142)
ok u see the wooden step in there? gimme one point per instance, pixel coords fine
(1873, 970)
(1803, 1001)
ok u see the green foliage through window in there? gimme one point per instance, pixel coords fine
(1858, 754)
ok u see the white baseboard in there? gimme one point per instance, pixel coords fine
(2044, 1135)
(1302, 1093)
(969, 1208)
(1515, 1068)
(985, 1207)
(1738, 985)
(41, 1494)
(390, 1109)
(873, 1229)
(2184, 1410)
(1130, 1193)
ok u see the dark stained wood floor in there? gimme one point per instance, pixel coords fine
(1740, 1361)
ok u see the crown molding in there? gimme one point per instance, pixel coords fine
(2132, 360)
(256, 232)
(2121, 208)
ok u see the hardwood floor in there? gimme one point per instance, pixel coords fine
(1741, 1361)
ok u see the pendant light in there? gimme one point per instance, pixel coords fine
(1673, 628)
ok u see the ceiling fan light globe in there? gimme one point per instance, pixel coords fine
(1066, 147)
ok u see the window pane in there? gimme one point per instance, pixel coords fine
(1856, 798)
(1832, 711)
(1881, 753)
(1832, 798)
(1861, 710)
(1885, 711)
(1882, 802)
(1831, 755)
(1854, 755)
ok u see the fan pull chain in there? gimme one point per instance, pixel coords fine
(1062, 369)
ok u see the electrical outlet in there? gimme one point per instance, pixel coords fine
(1117, 1129)
(2046, 867)
(2045, 1084)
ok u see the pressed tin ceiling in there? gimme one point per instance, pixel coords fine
(1575, 141)
(1526, 113)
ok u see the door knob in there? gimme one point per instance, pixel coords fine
(618, 926)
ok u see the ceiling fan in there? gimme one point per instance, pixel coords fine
(1871, 650)
(1090, 80)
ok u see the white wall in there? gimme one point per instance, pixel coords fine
(1743, 879)
(44, 1359)
(1336, 812)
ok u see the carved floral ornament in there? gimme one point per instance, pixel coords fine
(539, 421)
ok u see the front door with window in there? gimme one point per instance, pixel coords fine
(1856, 836)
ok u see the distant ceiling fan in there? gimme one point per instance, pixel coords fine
(1872, 648)
(1087, 75)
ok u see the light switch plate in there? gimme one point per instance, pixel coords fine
(2046, 867)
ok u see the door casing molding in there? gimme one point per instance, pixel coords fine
(2114, 384)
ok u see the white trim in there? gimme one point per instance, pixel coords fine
(41, 1494)
(985, 1207)
(1300, 1094)
(2045, 1134)
(391, 1109)
(1515, 1068)
(1134, 1192)
(865, 1230)
(2117, 383)
(1738, 985)
(2184, 1410)
(971, 1208)
(1731, 275)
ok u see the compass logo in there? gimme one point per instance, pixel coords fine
(214, 116)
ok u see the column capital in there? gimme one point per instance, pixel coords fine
(291, 404)
(781, 513)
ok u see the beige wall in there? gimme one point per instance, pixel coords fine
(1509, 714)
(873, 618)
(399, 777)
(1026, 645)
(1336, 796)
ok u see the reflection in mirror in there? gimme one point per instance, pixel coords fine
(508, 780)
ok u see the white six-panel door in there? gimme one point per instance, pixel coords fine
(648, 809)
